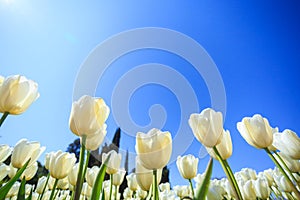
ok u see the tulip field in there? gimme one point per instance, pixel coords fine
(68, 179)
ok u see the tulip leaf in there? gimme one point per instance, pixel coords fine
(201, 194)
(21, 193)
(5, 189)
(97, 189)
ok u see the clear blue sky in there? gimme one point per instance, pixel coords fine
(254, 44)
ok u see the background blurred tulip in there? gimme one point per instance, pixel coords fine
(187, 166)
(17, 93)
(25, 150)
(5, 152)
(144, 176)
(207, 127)
(88, 115)
(224, 147)
(41, 184)
(291, 164)
(113, 163)
(29, 172)
(131, 182)
(72, 176)
(91, 175)
(119, 177)
(256, 131)
(248, 190)
(154, 148)
(262, 189)
(4, 170)
(60, 164)
(288, 143)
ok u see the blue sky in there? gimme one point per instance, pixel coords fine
(254, 44)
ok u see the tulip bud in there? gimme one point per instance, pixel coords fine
(154, 148)
(60, 164)
(88, 115)
(5, 152)
(17, 93)
(114, 161)
(91, 175)
(288, 143)
(144, 176)
(131, 182)
(207, 127)
(224, 147)
(119, 177)
(187, 166)
(25, 150)
(256, 131)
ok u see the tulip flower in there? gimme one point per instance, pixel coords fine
(288, 143)
(61, 163)
(144, 176)
(119, 177)
(29, 172)
(1, 80)
(288, 162)
(17, 93)
(91, 175)
(63, 184)
(187, 167)
(41, 184)
(72, 176)
(88, 115)
(5, 152)
(272, 147)
(224, 147)
(262, 189)
(95, 140)
(154, 148)
(256, 131)
(207, 127)
(248, 190)
(132, 182)
(4, 170)
(114, 162)
(25, 150)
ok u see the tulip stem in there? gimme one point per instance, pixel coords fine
(111, 184)
(80, 177)
(156, 195)
(287, 168)
(192, 188)
(44, 188)
(116, 192)
(53, 190)
(229, 174)
(297, 193)
(5, 114)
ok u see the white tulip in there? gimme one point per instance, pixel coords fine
(132, 182)
(114, 161)
(187, 166)
(17, 93)
(207, 127)
(91, 175)
(288, 143)
(5, 152)
(154, 148)
(256, 131)
(60, 164)
(25, 150)
(93, 141)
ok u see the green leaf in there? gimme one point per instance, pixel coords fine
(5, 189)
(99, 180)
(201, 194)
(21, 193)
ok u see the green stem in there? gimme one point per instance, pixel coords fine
(286, 167)
(116, 192)
(45, 186)
(5, 114)
(155, 186)
(79, 182)
(86, 164)
(111, 184)
(53, 190)
(229, 174)
(192, 188)
(297, 193)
